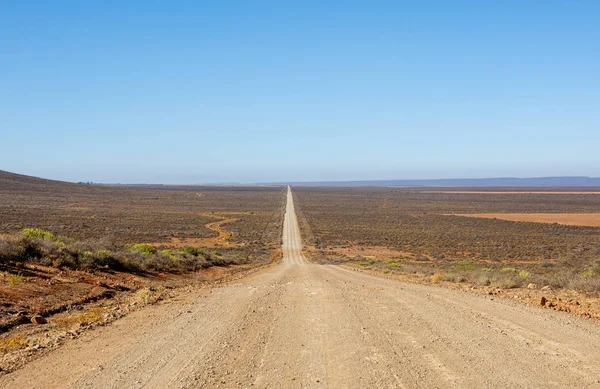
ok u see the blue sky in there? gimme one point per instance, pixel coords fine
(218, 91)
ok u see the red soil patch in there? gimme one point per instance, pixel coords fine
(509, 192)
(573, 219)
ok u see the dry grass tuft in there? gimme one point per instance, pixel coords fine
(15, 279)
(143, 296)
(13, 343)
(93, 316)
(437, 277)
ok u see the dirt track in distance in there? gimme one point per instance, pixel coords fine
(300, 325)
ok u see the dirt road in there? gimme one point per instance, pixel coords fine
(298, 325)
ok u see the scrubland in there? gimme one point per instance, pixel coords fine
(419, 235)
(67, 249)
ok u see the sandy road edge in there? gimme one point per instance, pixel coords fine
(15, 360)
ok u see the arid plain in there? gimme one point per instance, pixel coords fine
(308, 287)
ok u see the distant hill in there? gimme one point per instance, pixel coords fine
(10, 180)
(469, 182)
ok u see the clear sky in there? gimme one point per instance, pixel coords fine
(254, 91)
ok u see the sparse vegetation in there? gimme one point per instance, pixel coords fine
(437, 277)
(38, 233)
(143, 296)
(90, 317)
(428, 240)
(143, 248)
(14, 279)
(129, 215)
(107, 255)
(12, 343)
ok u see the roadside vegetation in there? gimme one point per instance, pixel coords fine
(37, 246)
(563, 274)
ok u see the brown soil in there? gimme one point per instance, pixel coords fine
(74, 301)
(46, 291)
(572, 219)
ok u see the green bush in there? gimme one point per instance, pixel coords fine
(589, 273)
(170, 254)
(143, 248)
(195, 251)
(524, 275)
(104, 254)
(463, 266)
(38, 233)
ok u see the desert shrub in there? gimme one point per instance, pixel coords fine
(509, 278)
(143, 248)
(587, 274)
(143, 296)
(393, 263)
(12, 343)
(94, 245)
(65, 261)
(38, 233)
(15, 279)
(158, 262)
(38, 246)
(461, 278)
(9, 250)
(105, 258)
(507, 282)
(170, 254)
(195, 251)
(132, 260)
(590, 284)
(484, 280)
(94, 315)
(104, 253)
(28, 250)
(524, 275)
(49, 248)
(217, 261)
(463, 266)
(437, 277)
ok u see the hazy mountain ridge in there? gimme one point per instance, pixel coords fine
(13, 180)
(570, 181)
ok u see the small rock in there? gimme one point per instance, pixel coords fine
(38, 320)
(532, 286)
(543, 301)
(547, 287)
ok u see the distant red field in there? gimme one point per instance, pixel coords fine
(510, 192)
(572, 219)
